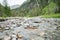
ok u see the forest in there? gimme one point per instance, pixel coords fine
(31, 8)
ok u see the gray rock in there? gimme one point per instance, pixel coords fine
(48, 26)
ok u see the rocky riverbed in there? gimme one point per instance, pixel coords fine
(35, 28)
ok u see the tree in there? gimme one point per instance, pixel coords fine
(7, 10)
(0, 10)
(58, 3)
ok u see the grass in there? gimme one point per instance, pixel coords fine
(57, 15)
(51, 16)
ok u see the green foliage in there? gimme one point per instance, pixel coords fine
(49, 8)
(51, 15)
(1, 10)
(58, 3)
(34, 12)
(32, 8)
(7, 11)
(37, 8)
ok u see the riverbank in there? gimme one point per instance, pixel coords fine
(34, 28)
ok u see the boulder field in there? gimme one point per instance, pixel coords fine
(35, 28)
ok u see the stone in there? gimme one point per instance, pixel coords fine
(6, 28)
(19, 36)
(7, 37)
(18, 25)
(14, 37)
(35, 28)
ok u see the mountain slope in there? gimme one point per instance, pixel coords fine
(27, 6)
(14, 6)
(37, 7)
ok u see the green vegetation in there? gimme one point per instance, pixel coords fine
(5, 10)
(32, 8)
(49, 8)
(51, 16)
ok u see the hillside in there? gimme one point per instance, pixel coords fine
(36, 8)
(31, 8)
